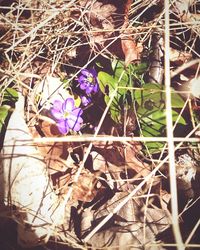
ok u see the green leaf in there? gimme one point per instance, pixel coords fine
(115, 113)
(9, 97)
(154, 147)
(106, 80)
(120, 72)
(151, 92)
(4, 110)
(155, 93)
(175, 115)
(117, 66)
(108, 85)
(150, 131)
(77, 100)
(10, 94)
(153, 123)
(177, 101)
(139, 68)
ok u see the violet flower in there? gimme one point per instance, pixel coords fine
(88, 81)
(67, 115)
(85, 100)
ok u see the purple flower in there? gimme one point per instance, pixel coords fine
(67, 115)
(85, 100)
(88, 81)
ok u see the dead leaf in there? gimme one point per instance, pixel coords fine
(141, 168)
(195, 87)
(100, 18)
(119, 156)
(130, 50)
(48, 90)
(126, 228)
(85, 189)
(24, 182)
(179, 57)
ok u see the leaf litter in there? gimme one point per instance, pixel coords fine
(79, 193)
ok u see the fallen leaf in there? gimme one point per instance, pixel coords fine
(126, 227)
(48, 90)
(195, 87)
(85, 188)
(101, 21)
(24, 183)
(179, 57)
(130, 50)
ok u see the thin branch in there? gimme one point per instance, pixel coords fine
(170, 136)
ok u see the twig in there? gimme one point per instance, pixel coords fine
(147, 178)
(184, 66)
(107, 138)
(170, 136)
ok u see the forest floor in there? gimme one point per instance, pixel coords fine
(99, 124)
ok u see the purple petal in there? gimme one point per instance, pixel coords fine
(80, 120)
(82, 79)
(74, 119)
(71, 123)
(75, 124)
(89, 89)
(77, 127)
(58, 114)
(68, 105)
(93, 72)
(96, 88)
(63, 127)
(57, 105)
(84, 85)
(85, 100)
(77, 112)
(85, 72)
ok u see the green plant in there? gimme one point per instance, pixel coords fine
(148, 100)
(9, 97)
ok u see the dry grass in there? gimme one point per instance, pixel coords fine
(50, 40)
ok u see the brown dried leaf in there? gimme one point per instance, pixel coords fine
(84, 189)
(55, 154)
(126, 227)
(100, 18)
(165, 198)
(179, 57)
(132, 162)
(22, 165)
(119, 156)
(129, 48)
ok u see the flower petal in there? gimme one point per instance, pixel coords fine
(68, 105)
(73, 119)
(85, 100)
(58, 114)
(85, 72)
(84, 85)
(89, 89)
(63, 127)
(93, 72)
(77, 127)
(95, 88)
(75, 123)
(77, 112)
(82, 79)
(57, 105)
